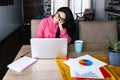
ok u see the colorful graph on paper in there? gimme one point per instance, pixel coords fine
(85, 62)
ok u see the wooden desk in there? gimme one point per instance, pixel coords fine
(43, 69)
(46, 69)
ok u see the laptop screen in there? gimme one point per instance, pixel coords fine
(49, 47)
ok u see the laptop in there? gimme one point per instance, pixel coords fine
(48, 47)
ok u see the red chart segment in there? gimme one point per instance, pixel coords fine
(85, 62)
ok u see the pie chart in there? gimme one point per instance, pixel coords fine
(85, 62)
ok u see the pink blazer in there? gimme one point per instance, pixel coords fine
(47, 29)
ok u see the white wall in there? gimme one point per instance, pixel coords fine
(75, 5)
(79, 8)
(98, 5)
(10, 18)
(56, 4)
(100, 10)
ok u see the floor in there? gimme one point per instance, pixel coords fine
(11, 45)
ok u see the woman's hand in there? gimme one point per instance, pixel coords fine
(60, 26)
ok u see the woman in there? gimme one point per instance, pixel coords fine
(60, 25)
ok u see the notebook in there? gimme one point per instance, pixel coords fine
(48, 47)
(22, 63)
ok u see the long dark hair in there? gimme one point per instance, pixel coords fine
(69, 22)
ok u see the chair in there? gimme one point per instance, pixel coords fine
(88, 15)
(34, 25)
(95, 31)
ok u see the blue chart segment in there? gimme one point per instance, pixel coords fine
(85, 62)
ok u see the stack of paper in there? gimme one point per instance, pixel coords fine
(85, 67)
(22, 63)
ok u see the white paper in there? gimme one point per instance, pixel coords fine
(84, 70)
(22, 63)
(88, 74)
(96, 63)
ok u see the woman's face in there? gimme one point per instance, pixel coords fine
(59, 17)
